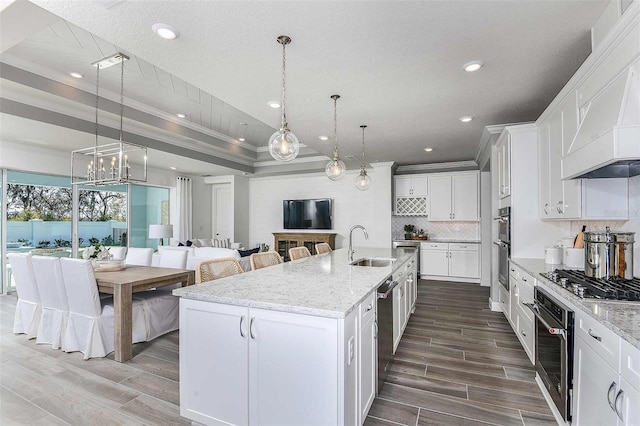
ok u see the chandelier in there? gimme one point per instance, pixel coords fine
(335, 168)
(114, 163)
(283, 144)
(363, 181)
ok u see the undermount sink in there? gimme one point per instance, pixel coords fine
(376, 262)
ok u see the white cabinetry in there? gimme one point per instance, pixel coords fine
(399, 311)
(411, 195)
(503, 149)
(452, 260)
(606, 376)
(454, 197)
(238, 364)
(368, 351)
(576, 198)
(520, 317)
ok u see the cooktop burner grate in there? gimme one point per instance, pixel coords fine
(593, 288)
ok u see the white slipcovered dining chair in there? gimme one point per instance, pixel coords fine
(117, 252)
(90, 324)
(53, 298)
(28, 308)
(139, 256)
(173, 259)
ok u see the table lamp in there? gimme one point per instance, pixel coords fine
(161, 232)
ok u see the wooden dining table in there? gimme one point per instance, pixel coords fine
(122, 284)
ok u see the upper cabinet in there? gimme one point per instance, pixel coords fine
(454, 197)
(503, 150)
(439, 196)
(411, 195)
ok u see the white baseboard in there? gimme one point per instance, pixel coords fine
(452, 279)
(494, 306)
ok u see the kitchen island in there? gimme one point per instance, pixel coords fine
(282, 345)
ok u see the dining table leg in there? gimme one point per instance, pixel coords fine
(122, 318)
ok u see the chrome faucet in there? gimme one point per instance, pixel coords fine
(351, 250)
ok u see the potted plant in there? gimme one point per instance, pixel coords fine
(408, 231)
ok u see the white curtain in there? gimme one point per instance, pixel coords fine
(185, 218)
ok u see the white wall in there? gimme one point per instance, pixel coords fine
(371, 208)
(201, 207)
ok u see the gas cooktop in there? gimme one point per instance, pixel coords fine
(592, 288)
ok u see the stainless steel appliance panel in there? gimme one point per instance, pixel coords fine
(385, 329)
(609, 254)
(504, 225)
(410, 243)
(503, 263)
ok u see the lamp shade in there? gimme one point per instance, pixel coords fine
(160, 231)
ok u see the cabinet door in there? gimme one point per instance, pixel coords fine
(440, 198)
(465, 197)
(214, 378)
(434, 262)
(595, 386)
(464, 264)
(408, 290)
(514, 293)
(506, 165)
(399, 313)
(282, 346)
(628, 404)
(556, 193)
(500, 170)
(403, 187)
(419, 186)
(544, 207)
(368, 357)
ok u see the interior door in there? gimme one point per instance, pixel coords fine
(222, 221)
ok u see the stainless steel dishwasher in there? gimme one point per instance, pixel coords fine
(385, 329)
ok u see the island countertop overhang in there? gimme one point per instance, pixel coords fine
(324, 285)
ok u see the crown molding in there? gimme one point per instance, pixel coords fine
(435, 167)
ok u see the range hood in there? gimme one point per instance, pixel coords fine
(607, 143)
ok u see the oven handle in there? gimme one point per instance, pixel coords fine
(500, 244)
(552, 330)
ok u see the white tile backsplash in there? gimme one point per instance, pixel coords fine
(436, 230)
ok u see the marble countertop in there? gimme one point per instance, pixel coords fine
(623, 318)
(439, 240)
(323, 285)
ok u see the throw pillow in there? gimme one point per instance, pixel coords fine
(244, 253)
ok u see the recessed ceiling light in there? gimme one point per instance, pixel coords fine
(241, 139)
(466, 118)
(165, 31)
(472, 66)
(323, 138)
(274, 104)
(76, 75)
(180, 115)
(172, 168)
(428, 149)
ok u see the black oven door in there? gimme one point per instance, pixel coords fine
(503, 264)
(554, 356)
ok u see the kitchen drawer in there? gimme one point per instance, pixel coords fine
(602, 340)
(630, 364)
(368, 307)
(434, 246)
(525, 331)
(464, 247)
(527, 282)
(514, 270)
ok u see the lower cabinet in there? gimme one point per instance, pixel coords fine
(367, 367)
(520, 317)
(399, 311)
(606, 376)
(243, 366)
(450, 260)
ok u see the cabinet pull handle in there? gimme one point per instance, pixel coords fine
(523, 333)
(513, 270)
(609, 392)
(251, 328)
(546, 206)
(375, 323)
(242, 332)
(616, 403)
(524, 279)
(595, 336)
(370, 307)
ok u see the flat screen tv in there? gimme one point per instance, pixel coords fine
(308, 214)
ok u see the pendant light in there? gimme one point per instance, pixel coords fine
(363, 181)
(114, 163)
(335, 168)
(284, 145)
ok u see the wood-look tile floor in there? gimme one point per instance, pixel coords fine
(458, 363)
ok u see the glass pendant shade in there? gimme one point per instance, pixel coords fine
(284, 145)
(363, 181)
(335, 169)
